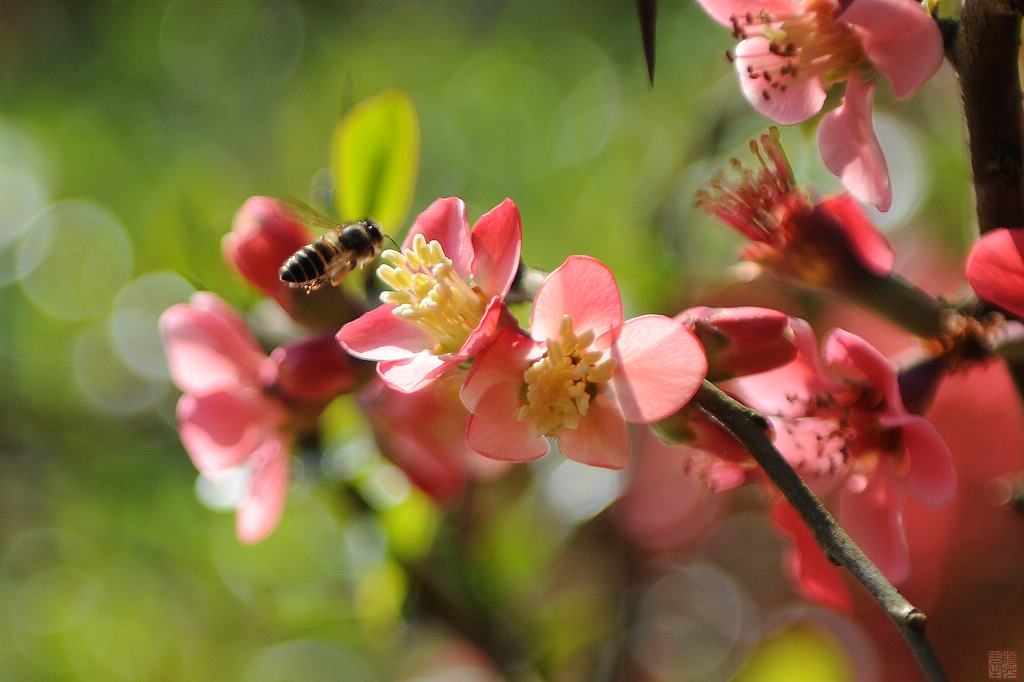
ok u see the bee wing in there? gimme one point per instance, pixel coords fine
(310, 216)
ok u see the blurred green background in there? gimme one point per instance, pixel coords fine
(130, 132)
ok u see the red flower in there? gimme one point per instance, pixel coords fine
(828, 243)
(842, 424)
(424, 434)
(583, 374)
(449, 285)
(995, 268)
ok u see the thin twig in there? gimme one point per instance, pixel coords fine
(749, 428)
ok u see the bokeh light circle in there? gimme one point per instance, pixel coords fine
(106, 381)
(134, 328)
(694, 624)
(308, 660)
(73, 258)
(21, 196)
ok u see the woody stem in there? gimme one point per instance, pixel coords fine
(749, 427)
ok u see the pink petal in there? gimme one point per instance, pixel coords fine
(497, 240)
(381, 335)
(854, 358)
(494, 316)
(781, 391)
(600, 440)
(494, 384)
(798, 102)
(815, 576)
(932, 477)
(900, 39)
(221, 429)
(445, 221)
(870, 247)
(995, 268)
(850, 149)
(210, 302)
(722, 11)
(582, 287)
(209, 348)
(510, 441)
(261, 512)
(873, 518)
(415, 372)
(659, 366)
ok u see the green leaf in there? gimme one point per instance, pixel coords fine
(375, 154)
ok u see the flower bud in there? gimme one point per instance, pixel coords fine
(740, 341)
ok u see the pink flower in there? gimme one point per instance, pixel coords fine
(225, 418)
(449, 285)
(664, 508)
(264, 234)
(995, 268)
(792, 51)
(840, 421)
(583, 374)
(424, 434)
(829, 243)
(240, 406)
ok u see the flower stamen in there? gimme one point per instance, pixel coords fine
(429, 293)
(810, 42)
(756, 201)
(560, 385)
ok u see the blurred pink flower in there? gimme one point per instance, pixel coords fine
(829, 243)
(449, 284)
(424, 434)
(840, 421)
(792, 51)
(664, 507)
(582, 376)
(240, 406)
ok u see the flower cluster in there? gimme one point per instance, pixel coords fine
(461, 389)
(576, 377)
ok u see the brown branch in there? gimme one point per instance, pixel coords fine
(748, 427)
(984, 53)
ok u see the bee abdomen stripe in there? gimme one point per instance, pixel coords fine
(311, 262)
(326, 251)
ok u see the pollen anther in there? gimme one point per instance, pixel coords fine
(430, 293)
(561, 384)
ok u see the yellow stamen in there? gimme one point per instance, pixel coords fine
(429, 293)
(560, 385)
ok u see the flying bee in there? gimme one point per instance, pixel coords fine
(343, 248)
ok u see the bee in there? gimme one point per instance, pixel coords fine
(343, 248)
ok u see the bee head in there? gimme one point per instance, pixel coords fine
(377, 234)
